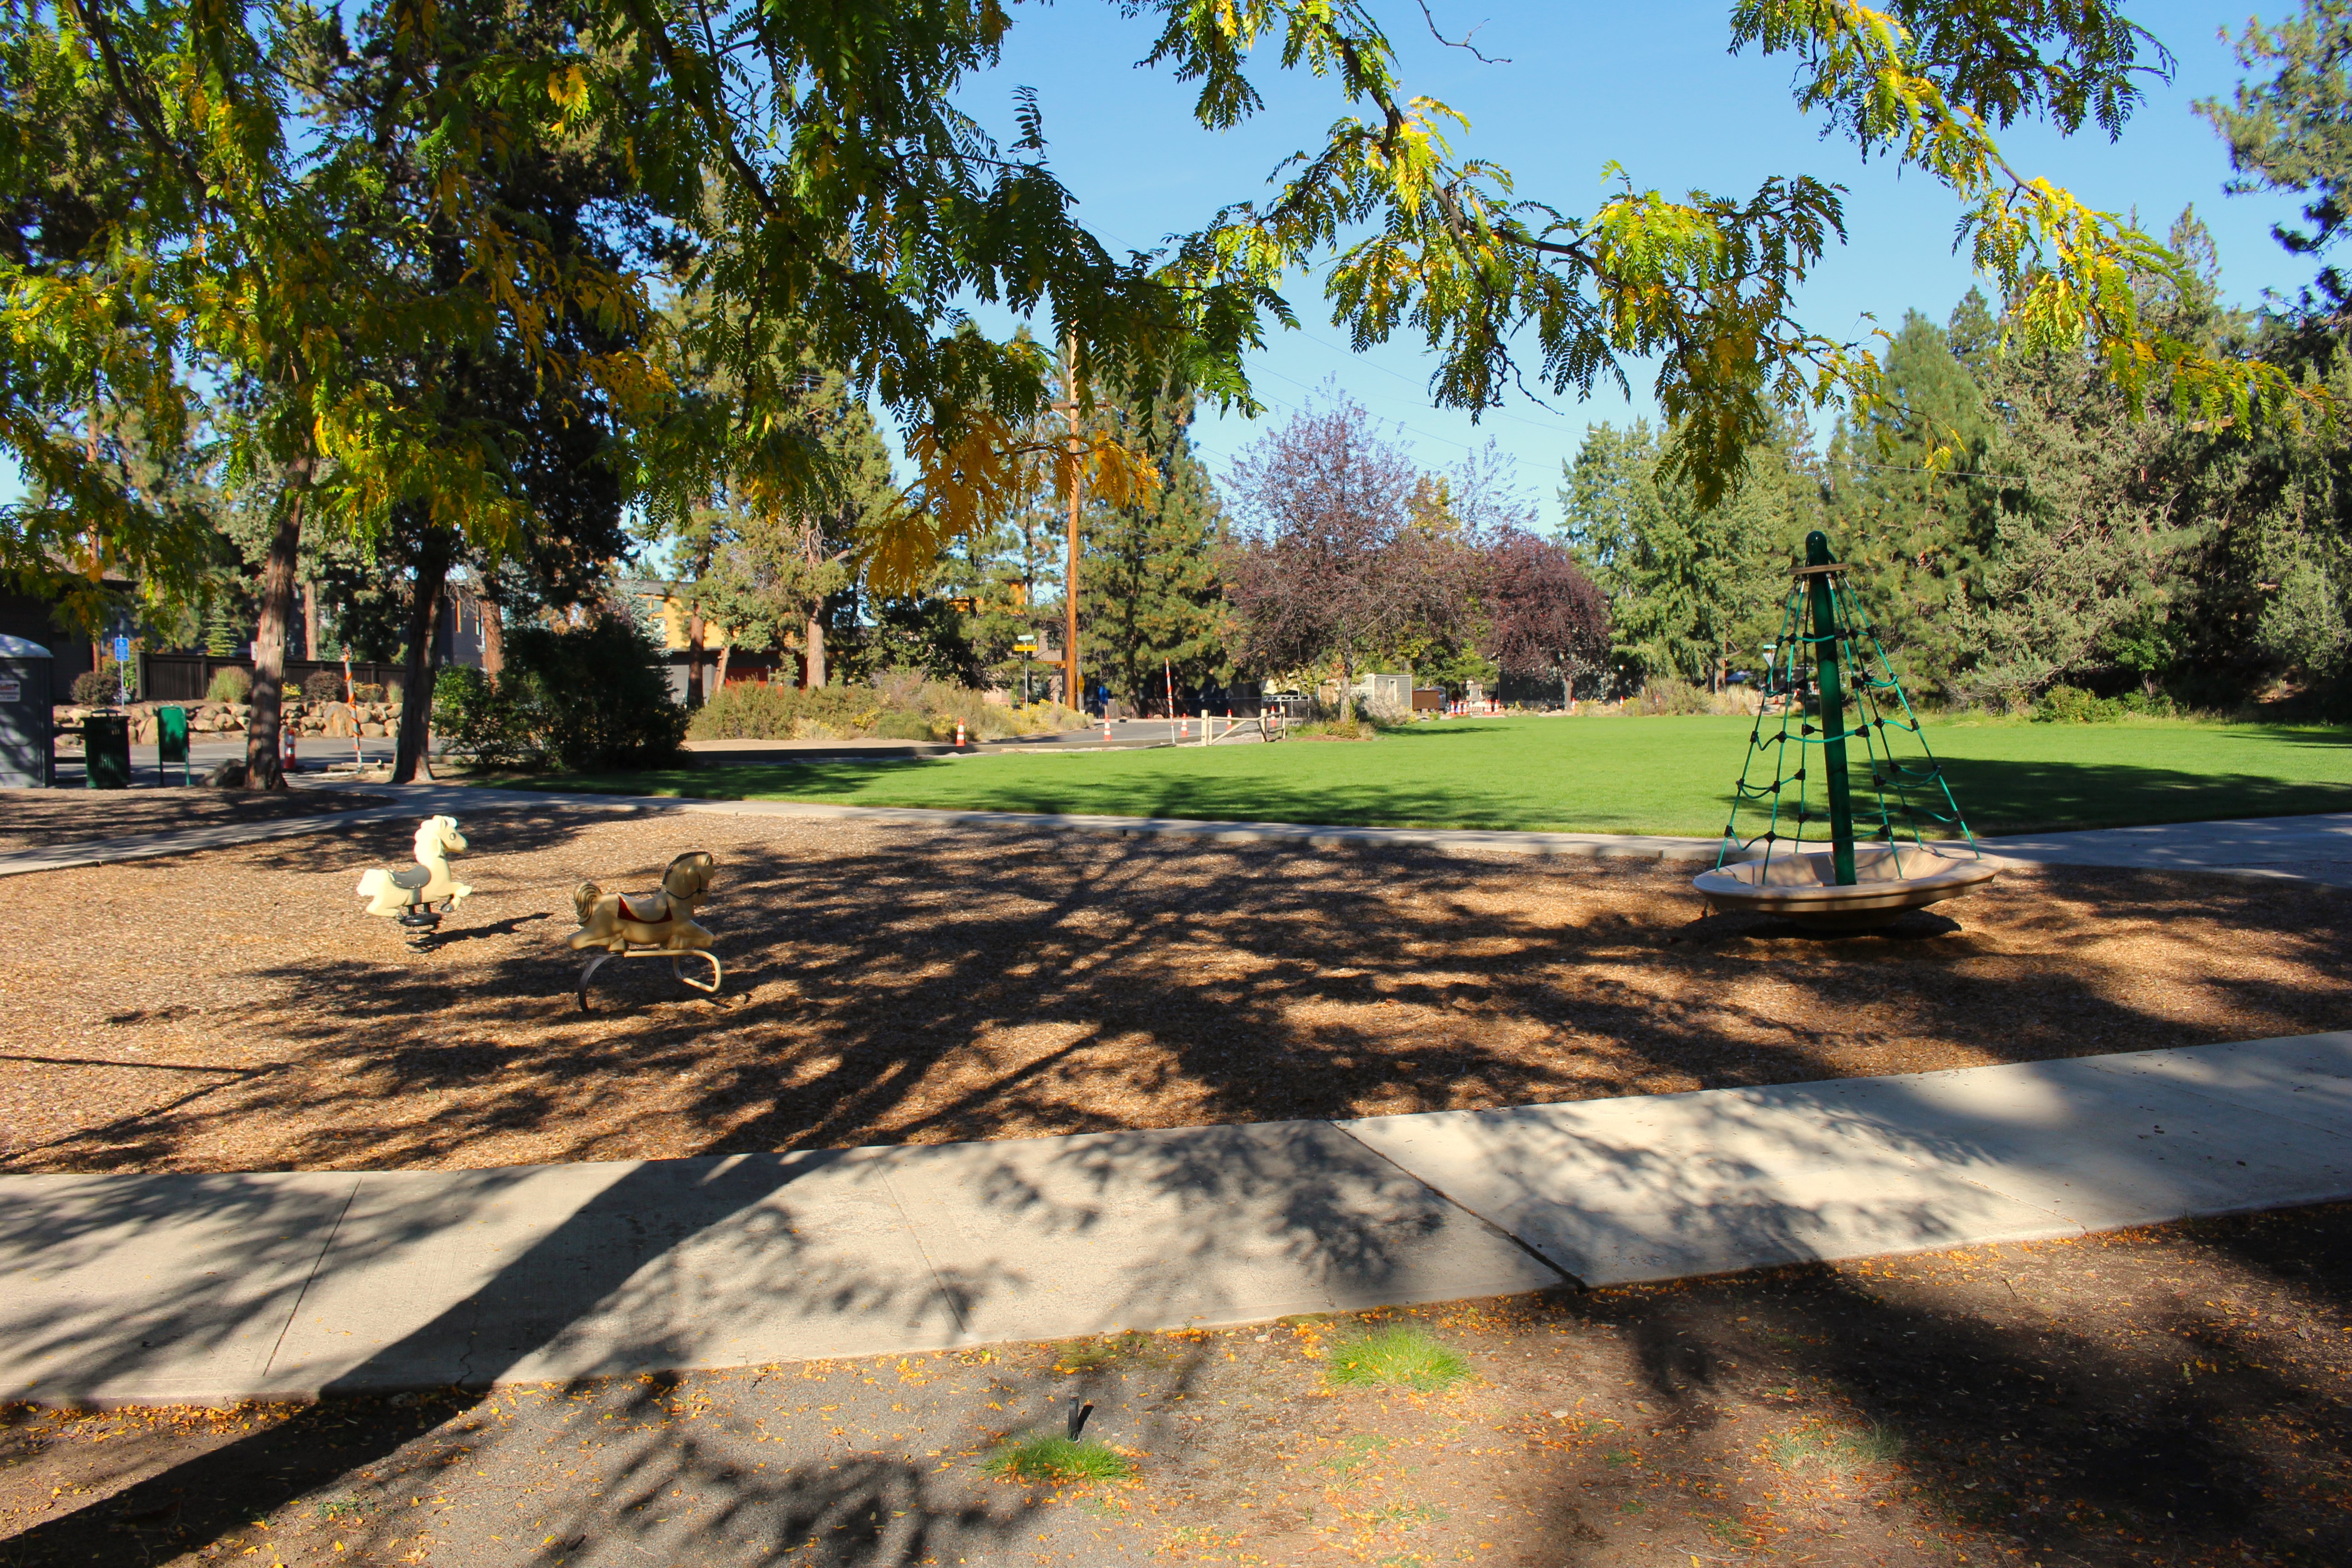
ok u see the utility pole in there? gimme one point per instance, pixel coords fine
(1069, 404)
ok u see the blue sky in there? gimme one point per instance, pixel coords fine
(1652, 86)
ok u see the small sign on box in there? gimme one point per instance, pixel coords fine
(12, 691)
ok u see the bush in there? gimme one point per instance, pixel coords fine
(367, 691)
(1357, 728)
(99, 687)
(229, 685)
(592, 696)
(751, 710)
(900, 705)
(1670, 696)
(2072, 705)
(478, 724)
(322, 686)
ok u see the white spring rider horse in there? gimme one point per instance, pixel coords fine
(410, 895)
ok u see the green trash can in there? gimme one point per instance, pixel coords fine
(171, 743)
(106, 750)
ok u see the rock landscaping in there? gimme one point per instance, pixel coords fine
(334, 721)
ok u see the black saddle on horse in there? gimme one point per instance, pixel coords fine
(413, 879)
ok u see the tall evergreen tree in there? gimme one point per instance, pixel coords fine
(1151, 603)
(1692, 590)
(1906, 506)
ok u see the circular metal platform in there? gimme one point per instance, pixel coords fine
(1801, 885)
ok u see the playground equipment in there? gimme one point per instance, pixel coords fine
(658, 926)
(1831, 879)
(418, 896)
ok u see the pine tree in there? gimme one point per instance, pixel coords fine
(1692, 590)
(1906, 511)
(1151, 594)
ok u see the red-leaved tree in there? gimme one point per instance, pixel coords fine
(1544, 616)
(1329, 560)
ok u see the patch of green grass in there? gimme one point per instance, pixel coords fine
(1093, 1356)
(1358, 1452)
(1401, 1357)
(1057, 1459)
(1843, 1450)
(1402, 1515)
(1669, 775)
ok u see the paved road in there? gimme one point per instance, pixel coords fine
(204, 755)
(194, 1287)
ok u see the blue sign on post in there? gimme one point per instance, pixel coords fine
(122, 650)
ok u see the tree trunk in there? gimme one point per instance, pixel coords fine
(263, 767)
(310, 620)
(813, 676)
(416, 677)
(494, 637)
(1347, 687)
(694, 655)
(725, 649)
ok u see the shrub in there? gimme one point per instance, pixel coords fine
(478, 722)
(231, 684)
(97, 688)
(322, 686)
(593, 696)
(900, 705)
(367, 691)
(2072, 705)
(1357, 728)
(1399, 1356)
(749, 710)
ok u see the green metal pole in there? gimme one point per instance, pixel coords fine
(1825, 645)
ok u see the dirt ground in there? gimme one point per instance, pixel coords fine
(2174, 1396)
(31, 819)
(234, 1010)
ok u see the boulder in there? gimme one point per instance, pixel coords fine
(372, 730)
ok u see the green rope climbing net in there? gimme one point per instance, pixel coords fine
(1840, 658)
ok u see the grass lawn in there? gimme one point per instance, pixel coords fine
(1596, 774)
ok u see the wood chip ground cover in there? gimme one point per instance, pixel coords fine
(2172, 1396)
(36, 819)
(234, 1010)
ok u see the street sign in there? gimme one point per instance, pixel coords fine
(122, 650)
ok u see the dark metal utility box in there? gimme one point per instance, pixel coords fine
(27, 738)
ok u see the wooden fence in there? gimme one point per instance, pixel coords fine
(186, 676)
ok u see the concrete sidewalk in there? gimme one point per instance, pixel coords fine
(2294, 849)
(209, 1287)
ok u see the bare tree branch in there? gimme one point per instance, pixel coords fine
(1463, 42)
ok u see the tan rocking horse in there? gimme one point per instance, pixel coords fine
(660, 925)
(418, 896)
